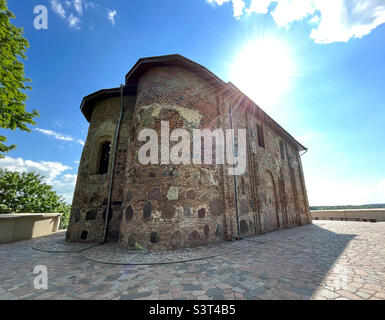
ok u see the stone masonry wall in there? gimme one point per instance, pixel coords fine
(171, 206)
(168, 206)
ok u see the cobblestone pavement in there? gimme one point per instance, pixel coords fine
(326, 260)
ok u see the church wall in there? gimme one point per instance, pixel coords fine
(168, 206)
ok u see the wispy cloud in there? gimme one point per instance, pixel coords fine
(52, 171)
(78, 6)
(57, 7)
(74, 11)
(74, 21)
(337, 20)
(90, 5)
(111, 14)
(59, 136)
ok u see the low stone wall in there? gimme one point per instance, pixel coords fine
(24, 226)
(349, 215)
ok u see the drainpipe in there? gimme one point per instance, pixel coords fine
(103, 240)
(235, 178)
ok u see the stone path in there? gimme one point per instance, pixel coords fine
(57, 243)
(326, 260)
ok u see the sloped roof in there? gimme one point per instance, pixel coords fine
(144, 64)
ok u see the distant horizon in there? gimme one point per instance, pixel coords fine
(376, 205)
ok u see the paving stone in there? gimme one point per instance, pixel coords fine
(214, 292)
(327, 293)
(296, 263)
(363, 294)
(190, 287)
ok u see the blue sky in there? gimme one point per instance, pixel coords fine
(322, 64)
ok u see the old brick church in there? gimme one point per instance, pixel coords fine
(166, 206)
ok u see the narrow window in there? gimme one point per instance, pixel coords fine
(104, 157)
(261, 138)
(281, 148)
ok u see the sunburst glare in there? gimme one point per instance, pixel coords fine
(262, 69)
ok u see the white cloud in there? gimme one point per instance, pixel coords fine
(341, 21)
(337, 20)
(111, 14)
(57, 7)
(288, 11)
(78, 6)
(63, 184)
(90, 5)
(48, 169)
(74, 21)
(259, 6)
(59, 136)
(56, 135)
(238, 5)
(315, 19)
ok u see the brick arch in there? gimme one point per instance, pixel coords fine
(271, 207)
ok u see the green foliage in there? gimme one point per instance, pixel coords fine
(13, 82)
(27, 193)
(65, 210)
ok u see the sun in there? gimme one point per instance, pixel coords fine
(262, 70)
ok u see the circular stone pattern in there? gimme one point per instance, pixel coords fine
(216, 206)
(244, 227)
(244, 206)
(154, 237)
(147, 211)
(154, 194)
(206, 230)
(251, 226)
(187, 210)
(168, 210)
(129, 213)
(194, 235)
(219, 230)
(175, 239)
(77, 215)
(201, 213)
(191, 195)
(131, 241)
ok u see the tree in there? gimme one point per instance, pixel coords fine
(13, 82)
(27, 193)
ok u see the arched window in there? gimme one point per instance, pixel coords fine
(261, 137)
(282, 149)
(104, 157)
